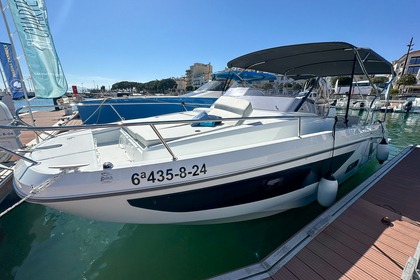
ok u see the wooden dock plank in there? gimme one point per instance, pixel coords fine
(301, 270)
(320, 266)
(366, 258)
(369, 263)
(285, 275)
(44, 118)
(372, 226)
(362, 243)
(347, 252)
(337, 260)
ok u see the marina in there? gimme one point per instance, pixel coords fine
(235, 117)
(270, 172)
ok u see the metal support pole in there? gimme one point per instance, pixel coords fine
(18, 66)
(346, 117)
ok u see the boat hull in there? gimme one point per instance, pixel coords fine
(234, 186)
(94, 209)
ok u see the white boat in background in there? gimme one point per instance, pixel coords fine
(355, 104)
(8, 139)
(411, 105)
(361, 88)
(387, 108)
(247, 156)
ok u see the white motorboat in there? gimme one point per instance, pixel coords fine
(411, 105)
(355, 104)
(247, 156)
(8, 139)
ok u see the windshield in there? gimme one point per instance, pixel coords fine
(211, 85)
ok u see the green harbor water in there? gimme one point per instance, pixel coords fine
(41, 243)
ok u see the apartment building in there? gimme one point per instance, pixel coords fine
(409, 64)
(198, 75)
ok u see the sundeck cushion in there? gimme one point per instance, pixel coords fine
(224, 107)
(231, 107)
(235, 105)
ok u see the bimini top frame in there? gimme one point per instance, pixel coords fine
(314, 60)
(304, 61)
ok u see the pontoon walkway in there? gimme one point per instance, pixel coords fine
(372, 233)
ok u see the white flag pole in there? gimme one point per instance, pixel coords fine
(18, 66)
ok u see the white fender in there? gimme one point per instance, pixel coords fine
(382, 151)
(327, 191)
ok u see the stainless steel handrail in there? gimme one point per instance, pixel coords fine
(140, 123)
(153, 124)
(162, 140)
(18, 155)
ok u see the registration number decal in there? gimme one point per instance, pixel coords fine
(168, 174)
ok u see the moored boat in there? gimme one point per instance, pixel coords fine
(411, 105)
(245, 157)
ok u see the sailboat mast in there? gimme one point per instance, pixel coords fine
(408, 53)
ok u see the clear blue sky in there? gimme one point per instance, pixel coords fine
(107, 41)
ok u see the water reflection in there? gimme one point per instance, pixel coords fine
(403, 129)
(41, 243)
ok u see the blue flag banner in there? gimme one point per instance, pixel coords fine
(10, 70)
(31, 21)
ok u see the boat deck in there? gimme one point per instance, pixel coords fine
(372, 233)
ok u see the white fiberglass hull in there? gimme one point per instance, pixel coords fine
(118, 210)
(219, 186)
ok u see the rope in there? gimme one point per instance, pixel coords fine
(36, 190)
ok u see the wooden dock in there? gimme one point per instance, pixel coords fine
(46, 118)
(372, 233)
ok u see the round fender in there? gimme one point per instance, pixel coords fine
(382, 151)
(327, 191)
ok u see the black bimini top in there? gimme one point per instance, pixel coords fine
(314, 59)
